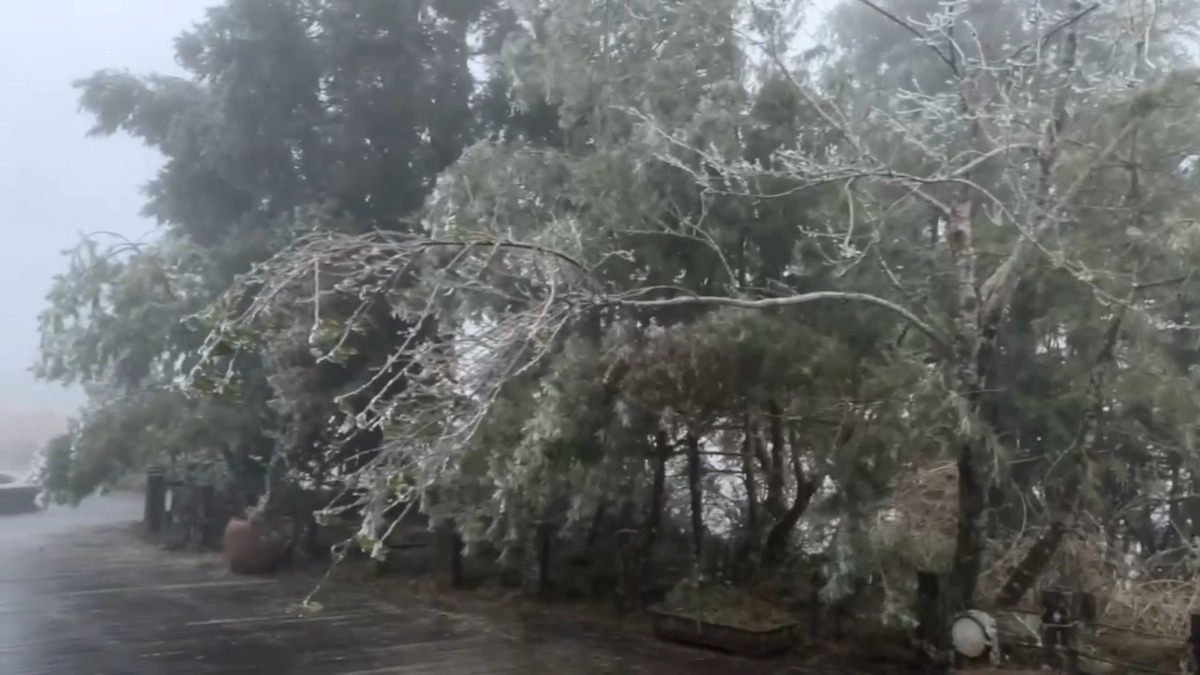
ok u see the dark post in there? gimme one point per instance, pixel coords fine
(1086, 610)
(814, 604)
(456, 560)
(544, 535)
(1058, 630)
(628, 594)
(448, 552)
(1193, 643)
(934, 621)
(207, 511)
(834, 617)
(156, 500)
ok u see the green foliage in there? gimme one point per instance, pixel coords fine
(294, 117)
(497, 295)
(114, 317)
(130, 432)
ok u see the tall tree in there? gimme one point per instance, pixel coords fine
(549, 257)
(295, 116)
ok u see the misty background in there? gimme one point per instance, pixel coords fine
(57, 183)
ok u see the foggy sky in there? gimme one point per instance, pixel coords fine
(54, 182)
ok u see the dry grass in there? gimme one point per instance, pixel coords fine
(919, 533)
(720, 604)
(919, 528)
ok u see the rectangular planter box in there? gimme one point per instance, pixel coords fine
(675, 628)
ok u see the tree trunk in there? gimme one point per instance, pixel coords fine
(1174, 500)
(274, 485)
(1193, 506)
(774, 501)
(979, 308)
(1063, 515)
(775, 550)
(1146, 533)
(1036, 560)
(970, 540)
(1087, 438)
(753, 522)
(695, 491)
(972, 451)
(593, 533)
(658, 499)
(1038, 557)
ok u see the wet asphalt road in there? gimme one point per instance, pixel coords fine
(31, 613)
(81, 595)
(35, 618)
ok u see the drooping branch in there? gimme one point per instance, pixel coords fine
(377, 261)
(500, 307)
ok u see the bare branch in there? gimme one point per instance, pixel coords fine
(1056, 29)
(996, 290)
(918, 34)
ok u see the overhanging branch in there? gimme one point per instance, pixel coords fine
(789, 301)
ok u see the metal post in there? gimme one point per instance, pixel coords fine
(207, 512)
(156, 500)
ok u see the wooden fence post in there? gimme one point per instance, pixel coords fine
(156, 500)
(451, 542)
(1086, 610)
(814, 604)
(457, 576)
(544, 536)
(1193, 642)
(448, 551)
(1059, 631)
(934, 621)
(629, 592)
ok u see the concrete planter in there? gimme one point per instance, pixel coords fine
(730, 639)
(19, 498)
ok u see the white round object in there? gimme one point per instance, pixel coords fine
(973, 634)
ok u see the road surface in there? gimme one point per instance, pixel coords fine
(80, 595)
